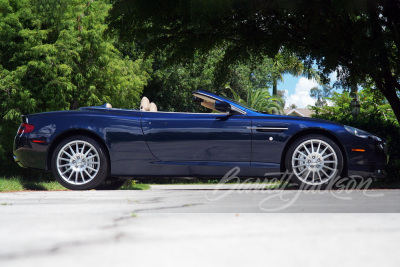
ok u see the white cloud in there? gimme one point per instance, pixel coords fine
(301, 98)
(333, 77)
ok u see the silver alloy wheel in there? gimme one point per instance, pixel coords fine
(78, 162)
(314, 162)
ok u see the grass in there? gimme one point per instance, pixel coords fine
(16, 183)
(133, 186)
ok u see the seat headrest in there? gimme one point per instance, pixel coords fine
(145, 104)
(153, 107)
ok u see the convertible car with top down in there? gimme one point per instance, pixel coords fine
(94, 147)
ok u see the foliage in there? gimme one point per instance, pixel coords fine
(261, 100)
(286, 62)
(375, 117)
(372, 105)
(358, 38)
(257, 73)
(171, 86)
(18, 183)
(250, 81)
(321, 95)
(54, 55)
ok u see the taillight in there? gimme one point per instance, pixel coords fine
(26, 128)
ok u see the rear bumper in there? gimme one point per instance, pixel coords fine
(28, 154)
(18, 162)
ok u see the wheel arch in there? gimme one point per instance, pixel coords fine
(72, 132)
(319, 131)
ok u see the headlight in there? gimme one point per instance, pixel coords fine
(362, 134)
(357, 132)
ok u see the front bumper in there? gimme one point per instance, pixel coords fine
(365, 173)
(372, 162)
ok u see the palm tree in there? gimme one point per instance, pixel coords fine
(260, 100)
(285, 62)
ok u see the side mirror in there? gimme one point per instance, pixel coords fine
(222, 106)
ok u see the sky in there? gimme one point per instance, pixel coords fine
(297, 90)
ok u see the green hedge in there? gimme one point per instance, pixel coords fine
(388, 130)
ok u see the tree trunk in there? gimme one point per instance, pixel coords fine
(354, 90)
(389, 91)
(394, 102)
(275, 86)
(74, 105)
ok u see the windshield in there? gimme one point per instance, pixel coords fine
(244, 105)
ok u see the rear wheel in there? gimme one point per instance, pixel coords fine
(314, 161)
(80, 163)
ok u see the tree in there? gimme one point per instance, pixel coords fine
(54, 55)
(171, 85)
(372, 105)
(282, 95)
(288, 63)
(260, 100)
(375, 116)
(358, 38)
(321, 95)
(249, 83)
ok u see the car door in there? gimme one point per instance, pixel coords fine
(269, 137)
(173, 136)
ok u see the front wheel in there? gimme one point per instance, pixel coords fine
(314, 161)
(79, 163)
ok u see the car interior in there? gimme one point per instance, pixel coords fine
(213, 105)
(146, 105)
(207, 102)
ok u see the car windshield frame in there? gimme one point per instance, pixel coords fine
(239, 104)
(239, 107)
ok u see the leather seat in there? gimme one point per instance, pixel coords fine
(153, 107)
(145, 105)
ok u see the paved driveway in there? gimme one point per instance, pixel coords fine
(197, 226)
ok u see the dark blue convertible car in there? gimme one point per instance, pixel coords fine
(94, 147)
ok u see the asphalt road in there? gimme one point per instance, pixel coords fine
(198, 226)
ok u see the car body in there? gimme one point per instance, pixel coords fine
(139, 143)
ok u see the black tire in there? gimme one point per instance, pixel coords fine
(314, 167)
(93, 166)
(111, 184)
